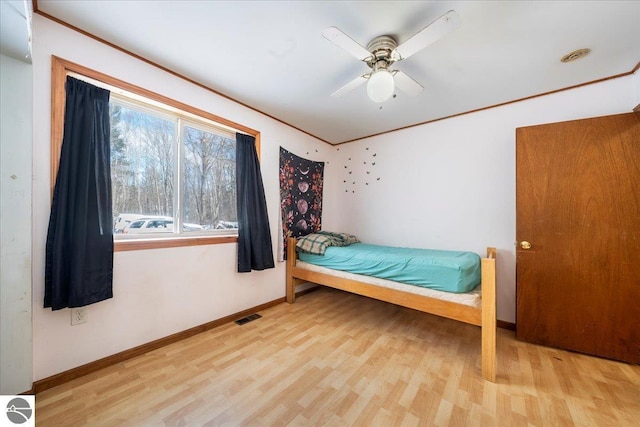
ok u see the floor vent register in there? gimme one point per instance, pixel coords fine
(248, 319)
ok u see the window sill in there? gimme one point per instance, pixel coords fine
(170, 242)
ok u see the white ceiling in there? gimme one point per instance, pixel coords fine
(271, 55)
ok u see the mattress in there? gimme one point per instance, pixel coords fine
(447, 271)
(471, 299)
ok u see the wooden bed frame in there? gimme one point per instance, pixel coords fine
(485, 317)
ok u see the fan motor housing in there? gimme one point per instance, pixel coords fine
(381, 48)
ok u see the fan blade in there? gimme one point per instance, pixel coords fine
(429, 34)
(350, 86)
(342, 40)
(407, 84)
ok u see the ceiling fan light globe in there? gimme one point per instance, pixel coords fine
(380, 86)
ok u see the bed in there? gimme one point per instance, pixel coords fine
(477, 307)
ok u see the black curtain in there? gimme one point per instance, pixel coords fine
(254, 236)
(79, 251)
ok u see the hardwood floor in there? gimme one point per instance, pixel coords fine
(336, 359)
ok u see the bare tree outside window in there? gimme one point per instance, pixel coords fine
(209, 178)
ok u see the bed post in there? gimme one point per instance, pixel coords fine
(291, 262)
(489, 316)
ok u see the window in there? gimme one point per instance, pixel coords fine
(172, 170)
(172, 165)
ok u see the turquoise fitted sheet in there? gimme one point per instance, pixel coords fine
(449, 271)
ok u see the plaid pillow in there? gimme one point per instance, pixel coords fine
(349, 239)
(340, 239)
(313, 244)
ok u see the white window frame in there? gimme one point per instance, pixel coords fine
(179, 120)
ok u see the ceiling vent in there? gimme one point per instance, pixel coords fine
(576, 54)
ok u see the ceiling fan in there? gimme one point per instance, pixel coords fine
(384, 51)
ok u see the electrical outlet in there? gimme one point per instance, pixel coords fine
(79, 315)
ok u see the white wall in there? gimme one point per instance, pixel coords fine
(156, 292)
(15, 225)
(451, 184)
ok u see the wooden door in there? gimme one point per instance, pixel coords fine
(578, 205)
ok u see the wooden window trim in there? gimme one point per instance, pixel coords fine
(60, 68)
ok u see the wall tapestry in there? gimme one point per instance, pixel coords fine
(300, 197)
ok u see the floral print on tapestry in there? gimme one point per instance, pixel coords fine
(300, 196)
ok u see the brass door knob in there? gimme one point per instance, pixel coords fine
(525, 245)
